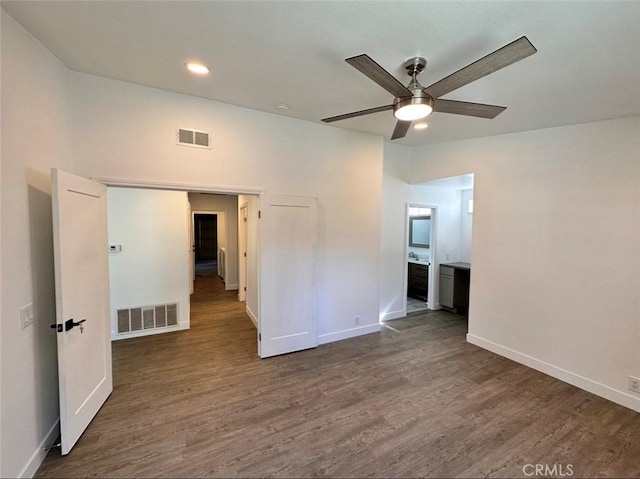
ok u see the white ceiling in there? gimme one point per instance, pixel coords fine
(264, 53)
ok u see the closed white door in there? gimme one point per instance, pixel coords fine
(82, 301)
(288, 237)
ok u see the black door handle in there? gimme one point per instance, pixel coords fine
(70, 323)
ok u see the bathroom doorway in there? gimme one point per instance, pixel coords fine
(420, 247)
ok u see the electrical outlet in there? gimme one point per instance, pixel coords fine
(634, 384)
(26, 316)
(356, 320)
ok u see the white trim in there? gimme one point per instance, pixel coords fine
(390, 315)
(243, 225)
(252, 317)
(607, 392)
(348, 333)
(38, 456)
(188, 187)
(230, 287)
(148, 332)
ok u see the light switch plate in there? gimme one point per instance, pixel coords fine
(634, 384)
(26, 316)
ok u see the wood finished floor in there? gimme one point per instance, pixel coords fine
(415, 401)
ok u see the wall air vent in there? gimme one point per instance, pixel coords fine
(147, 317)
(194, 138)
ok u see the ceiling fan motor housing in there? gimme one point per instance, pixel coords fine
(419, 98)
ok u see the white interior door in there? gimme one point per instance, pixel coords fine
(288, 235)
(82, 301)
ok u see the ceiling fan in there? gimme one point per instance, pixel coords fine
(415, 102)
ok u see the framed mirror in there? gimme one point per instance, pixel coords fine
(419, 231)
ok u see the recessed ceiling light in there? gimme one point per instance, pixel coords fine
(197, 68)
(282, 107)
(421, 126)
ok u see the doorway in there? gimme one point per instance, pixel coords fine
(420, 248)
(205, 242)
(450, 201)
(160, 241)
(288, 224)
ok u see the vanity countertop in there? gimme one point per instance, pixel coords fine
(458, 265)
(419, 261)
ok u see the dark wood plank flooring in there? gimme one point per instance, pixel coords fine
(412, 401)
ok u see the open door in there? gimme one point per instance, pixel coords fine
(82, 301)
(288, 235)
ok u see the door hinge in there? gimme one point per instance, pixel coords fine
(245, 288)
(245, 254)
(259, 336)
(259, 214)
(244, 219)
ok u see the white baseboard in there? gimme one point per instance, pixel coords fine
(148, 332)
(401, 313)
(230, 287)
(39, 454)
(252, 317)
(614, 395)
(348, 333)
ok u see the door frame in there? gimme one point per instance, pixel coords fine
(432, 303)
(242, 250)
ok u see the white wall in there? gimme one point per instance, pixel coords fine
(228, 204)
(556, 229)
(36, 135)
(152, 226)
(447, 225)
(466, 226)
(127, 131)
(394, 226)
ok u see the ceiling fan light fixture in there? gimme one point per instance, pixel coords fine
(414, 108)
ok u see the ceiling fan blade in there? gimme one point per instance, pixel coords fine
(358, 113)
(505, 56)
(401, 129)
(382, 77)
(467, 108)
